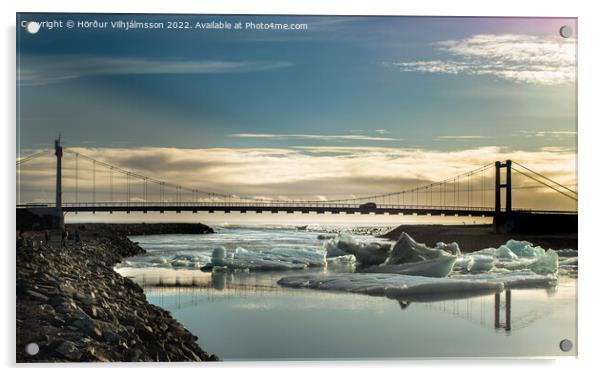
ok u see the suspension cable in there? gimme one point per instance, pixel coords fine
(547, 185)
(31, 157)
(545, 177)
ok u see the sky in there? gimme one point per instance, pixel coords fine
(349, 106)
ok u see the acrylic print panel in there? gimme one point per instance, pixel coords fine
(226, 187)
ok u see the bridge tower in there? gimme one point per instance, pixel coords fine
(58, 151)
(500, 217)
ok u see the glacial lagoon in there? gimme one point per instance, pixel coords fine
(250, 315)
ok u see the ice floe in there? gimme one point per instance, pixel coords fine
(274, 259)
(365, 253)
(390, 285)
(409, 257)
(400, 285)
(408, 250)
(438, 267)
(514, 255)
(184, 260)
(516, 279)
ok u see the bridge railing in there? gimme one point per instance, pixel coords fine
(272, 204)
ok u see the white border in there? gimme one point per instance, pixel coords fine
(589, 170)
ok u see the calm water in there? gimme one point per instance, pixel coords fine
(247, 316)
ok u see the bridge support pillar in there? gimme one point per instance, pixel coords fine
(503, 219)
(58, 151)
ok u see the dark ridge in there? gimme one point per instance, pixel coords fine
(472, 238)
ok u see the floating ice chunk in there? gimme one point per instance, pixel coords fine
(365, 254)
(390, 285)
(332, 249)
(506, 253)
(547, 263)
(463, 263)
(346, 259)
(522, 278)
(275, 259)
(189, 261)
(503, 252)
(524, 248)
(452, 248)
(219, 253)
(480, 264)
(408, 250)
(568, 261)
(438, 268)
(299, 256)
(346, 264)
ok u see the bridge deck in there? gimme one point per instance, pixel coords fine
(285, 207)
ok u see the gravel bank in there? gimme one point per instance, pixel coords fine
(76, 308)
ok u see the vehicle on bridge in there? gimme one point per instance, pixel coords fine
(368, 206)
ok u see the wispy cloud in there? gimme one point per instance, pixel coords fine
(47, 69)
(514, 57)
(313, 137)
(549, 134)
(462, 137)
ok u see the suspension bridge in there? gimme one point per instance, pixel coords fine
(99, 186)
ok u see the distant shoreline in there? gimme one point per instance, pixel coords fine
(472, 238)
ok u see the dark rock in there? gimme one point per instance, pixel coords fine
(37, 296)
(69, 350)
(72, 302)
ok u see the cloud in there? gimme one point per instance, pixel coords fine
(462, 137)
(48, 69)
(513, 57)
(382, 131)
(313, 137)
(548, 134)
(310, 172)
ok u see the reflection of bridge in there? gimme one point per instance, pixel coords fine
(491, 311)
(474, 193)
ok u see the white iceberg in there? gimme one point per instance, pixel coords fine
(514, 255)
(408, 250)
(346, 259)
(503, 252)
(524, 248)
(365, 254)
(480, 264)
(189, 261)
(547, 263)
(452, 248)
(274, 259)
(516, 279)
(390, 285)
(568, 261)
(439, 267)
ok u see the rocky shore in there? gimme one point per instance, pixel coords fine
(76, 308)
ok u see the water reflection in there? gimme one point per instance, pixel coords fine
(305, 323)
(192, 287)
(195, 288)
(508, 308)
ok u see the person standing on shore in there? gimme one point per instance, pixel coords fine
(76, 235)
(46, 237)
(64, 236)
